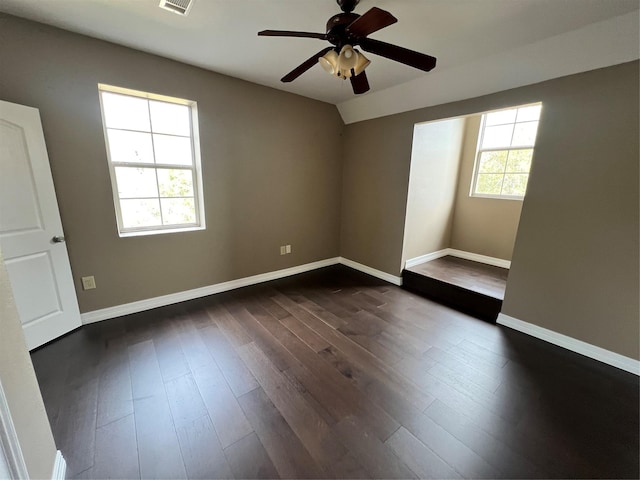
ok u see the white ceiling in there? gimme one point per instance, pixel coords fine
(220, 35)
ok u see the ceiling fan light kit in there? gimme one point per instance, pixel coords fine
(345, 31)
(349, 63)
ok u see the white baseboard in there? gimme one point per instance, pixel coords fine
(371, 271)
(475, 257)
(148, 304)
(597, 353)
(164, 300)
(59, 467)
(412, 262)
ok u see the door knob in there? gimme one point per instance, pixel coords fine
(58, 239)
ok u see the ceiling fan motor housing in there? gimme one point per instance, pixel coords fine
(336, 29)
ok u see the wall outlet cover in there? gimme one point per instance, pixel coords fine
(88, 283)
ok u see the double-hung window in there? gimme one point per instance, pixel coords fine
(154, 161)
(505, 150)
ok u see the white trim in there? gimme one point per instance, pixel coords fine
(412, 262)
(479, 151)
(148, 304)
(59, 467)
(195, 168)
(597, 353)
(475, 257)
(9, 443)
(371, 271)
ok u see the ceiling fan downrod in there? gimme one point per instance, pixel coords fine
(347, 6)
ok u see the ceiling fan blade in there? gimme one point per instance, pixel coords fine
(399, 54)
(287, 33)
(371, 21)
(359, 83)
(304, 66)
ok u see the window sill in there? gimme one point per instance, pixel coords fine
(496, 197)
(141, 233)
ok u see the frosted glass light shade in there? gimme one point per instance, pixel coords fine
(329, 62)
(348, 58)
(362, 63)
(346, 64)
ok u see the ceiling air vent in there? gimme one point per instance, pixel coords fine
(181, 7)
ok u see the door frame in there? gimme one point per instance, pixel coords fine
(9, 444)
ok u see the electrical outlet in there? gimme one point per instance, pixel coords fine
(88, 283)
(288, 248)
(283, 250)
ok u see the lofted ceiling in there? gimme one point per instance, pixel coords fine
(220, 35)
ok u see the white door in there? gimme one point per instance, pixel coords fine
(31, 237)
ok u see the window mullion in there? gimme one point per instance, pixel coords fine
(502, 149)
(504, 172)
(155, 168)
(152, 165)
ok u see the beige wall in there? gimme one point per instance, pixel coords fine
(270, 160)
(21, 389)
(575, 261)
(376, 160)
(435, 160)
(486, 226)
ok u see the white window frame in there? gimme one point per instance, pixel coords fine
(195, 168)
(480, 150)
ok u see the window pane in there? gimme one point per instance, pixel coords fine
(515, 184)
(176, 211)
(129, 113)
(172, 150)
(520, 160)
(493, 162)
(170, 118)
(525, 134)
(175, 182)
(136, 182)
(126, 146)
(526, 114)
(495, 137)
(489, 184)
(140, 213)
(503, 116)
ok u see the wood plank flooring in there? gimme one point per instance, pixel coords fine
(477, 277)
(470, 287)
(330, 374)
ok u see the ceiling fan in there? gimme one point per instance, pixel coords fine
(345, 31)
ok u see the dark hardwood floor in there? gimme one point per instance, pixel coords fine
(478, 277)
(470, 287)
(331, 374)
